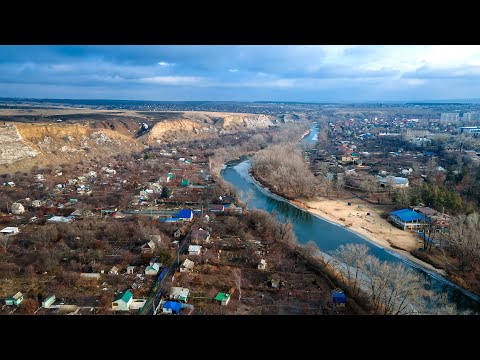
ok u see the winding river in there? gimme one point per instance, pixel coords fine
(328, 236)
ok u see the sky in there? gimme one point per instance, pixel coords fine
(316, 73)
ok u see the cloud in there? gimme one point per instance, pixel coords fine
(171, 80)
(296, 73)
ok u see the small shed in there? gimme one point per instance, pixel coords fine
(222, 298)
(184, 182)
(262, 265)
(130, 269)
(148, 247)
(194, 249)
(113, 271)
(187, 266)
(15, 299)
(177, 233)
(171, 307)
(48, 301)
(338, 298)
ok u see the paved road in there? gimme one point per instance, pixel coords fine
(153, 301)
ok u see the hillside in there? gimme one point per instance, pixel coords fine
(42, 139)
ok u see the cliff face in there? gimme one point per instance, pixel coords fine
(12, 147)
(204, 126)
(23, 145)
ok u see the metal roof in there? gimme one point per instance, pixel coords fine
(408, 215)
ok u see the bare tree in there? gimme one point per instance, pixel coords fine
(351, 259)
(464, 238)
(237, 276)
(5, 242)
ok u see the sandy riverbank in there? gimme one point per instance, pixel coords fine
(372, 227)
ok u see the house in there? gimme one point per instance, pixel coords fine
(15, 299)
(407, 219)
(200, 236)
(148, 247)
(394, 181)
(171, 307)
(223, 298)
(10, 230)
(177, 233)
(185, 215)
(179, 293)
(262, 265)
(216, 208)
(130, 269)
(60, 219)
(187, 266)
(113, 271)
(152, 269)
(17, 209)
(338, 298)
(184, 182)
(194, 249)
(48, 301)
(122, 301)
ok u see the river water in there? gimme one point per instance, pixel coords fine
(328, 236)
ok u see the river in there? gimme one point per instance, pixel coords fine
(328, 236)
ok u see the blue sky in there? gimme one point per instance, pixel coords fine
(242, 73)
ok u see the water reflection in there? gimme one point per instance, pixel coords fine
(326, 235)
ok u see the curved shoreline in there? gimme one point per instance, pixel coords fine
(403, 255)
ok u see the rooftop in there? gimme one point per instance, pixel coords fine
(408, 215)
(125, 296)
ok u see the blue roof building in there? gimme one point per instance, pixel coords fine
(171, 307)
(186, 215)
(338, 297)
(407, 219)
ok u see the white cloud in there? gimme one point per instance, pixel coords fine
(164, 64)
(233, 70)
(172, 80)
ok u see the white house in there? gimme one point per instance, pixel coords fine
(17, 209)
(10, 230)
(130, 269)
(113, 271)
(187, 266)
(48, 301)
(122, 301)
(194, 249)
(179, 293)
(36, 203)
(152, 269)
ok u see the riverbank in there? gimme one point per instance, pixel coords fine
(371, 227)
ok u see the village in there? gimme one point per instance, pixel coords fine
(148, 233)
